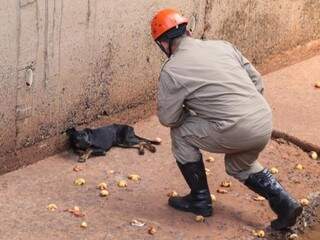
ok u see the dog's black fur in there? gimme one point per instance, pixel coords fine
(98, 141)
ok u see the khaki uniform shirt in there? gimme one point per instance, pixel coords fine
(214, 81)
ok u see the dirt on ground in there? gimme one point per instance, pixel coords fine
(26, 193)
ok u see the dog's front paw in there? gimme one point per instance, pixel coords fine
(84, 157)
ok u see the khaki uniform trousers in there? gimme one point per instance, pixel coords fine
(241, 144)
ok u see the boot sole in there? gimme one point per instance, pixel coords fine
(288, 222)
(204, 213)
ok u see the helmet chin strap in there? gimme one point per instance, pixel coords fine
(170, 41)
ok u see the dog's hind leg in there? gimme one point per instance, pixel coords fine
(150, 147)
(141, 149)
(84, 157)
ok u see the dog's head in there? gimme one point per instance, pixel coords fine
(79, 139)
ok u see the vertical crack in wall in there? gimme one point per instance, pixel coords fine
(18, 31)
(207, 26)
(60, 80)
(45, 50)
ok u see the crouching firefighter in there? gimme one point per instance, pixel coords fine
(210, 96)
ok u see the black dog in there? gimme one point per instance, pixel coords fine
(98, 141)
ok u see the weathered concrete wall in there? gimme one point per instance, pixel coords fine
(260, 28)
(88, 58)
(96, 57)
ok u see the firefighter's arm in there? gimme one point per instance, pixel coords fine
(171, 96)
(251, 70)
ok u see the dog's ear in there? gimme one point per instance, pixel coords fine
(71, 131)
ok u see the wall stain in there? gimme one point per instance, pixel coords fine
(46, 43)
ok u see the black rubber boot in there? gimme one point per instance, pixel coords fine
(286, 208)
(199, 200)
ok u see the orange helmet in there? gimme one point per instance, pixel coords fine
(165, 20)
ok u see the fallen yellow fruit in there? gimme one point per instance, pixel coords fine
(172, 194)
(258, 198)
(122, 183)
(84, 225)
(314, 155)
(102, 186)
(210, 159)
(77, 169)
(111, 172)
(304, 202)
(222, 191)
(52, 207)
(79, 181)
(274, 170)
(299, 167)
(226, 184)
(199, 218)
(293, 236)
(213, 198)
(104, 193)
(159, 140)
(317, 84)
(134, 177)
(259, 233)
(152, 230)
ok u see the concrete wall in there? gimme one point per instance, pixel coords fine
(96, 57)
(260, 28)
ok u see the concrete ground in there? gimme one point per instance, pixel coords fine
(26, 193)
(294, 99)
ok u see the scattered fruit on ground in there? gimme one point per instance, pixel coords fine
(172, 194)
(76, 211)
(299, 167)
(314, 155)
(259, 198)
(210, 159)
(79, 181)
(219, 190)
(77, 169)
(304, 202)
(111, 172)
(213, 198)
(134, 177)
(159, 140)
(84, 225)
(102, 186)
(52, 207)
(317, 84)
(137, 223)
(274, 170)
(122, 184)
(208, 171)
(259, 233)
(104, 193)
(226, 184)
(199, 218)
(293, 236)
(152, 230)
